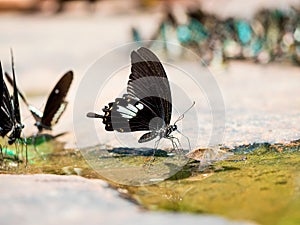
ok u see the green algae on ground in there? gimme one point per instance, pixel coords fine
(29, 150)
(263, 188)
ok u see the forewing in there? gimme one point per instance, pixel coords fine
(16, 109)
(1, 84)
(148, 79)
(56, 103)
(6, 122)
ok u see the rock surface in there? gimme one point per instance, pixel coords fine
(71, 200)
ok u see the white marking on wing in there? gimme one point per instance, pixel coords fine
(34, 110)
(132, 108)
(59, 112)
(124, 110)
(126, 116)
(140, 106)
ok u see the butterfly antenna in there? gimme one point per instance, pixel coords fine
(1, 153)
(182, 115)
(26, 151)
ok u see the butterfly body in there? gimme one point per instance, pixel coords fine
(164, 132)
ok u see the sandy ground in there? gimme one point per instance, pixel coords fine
(261, 102)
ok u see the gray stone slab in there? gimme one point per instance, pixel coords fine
(72, 200)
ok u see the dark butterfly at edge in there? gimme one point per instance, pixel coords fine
(10, 111)
(147, 106)
(55, 105)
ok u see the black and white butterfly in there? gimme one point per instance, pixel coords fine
(147, 105)
(10, 111)
(55, 105)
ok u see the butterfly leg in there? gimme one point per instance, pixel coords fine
(176, 144)
(188, 140)
(156, 146)
(26, 152)
(16, 156)
(34, 137)
(154, 149)
(150, 161)
(20, 152)
(2, 157)
(34, 144)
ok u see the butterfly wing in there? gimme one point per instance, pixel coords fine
(17, 113)
(147, 105)
(6, 111)
(56, 103)
(1, 84)
(148, 78)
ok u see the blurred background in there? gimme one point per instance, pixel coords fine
(253, 50)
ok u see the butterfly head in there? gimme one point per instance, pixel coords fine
(169, 130)
(173, 127)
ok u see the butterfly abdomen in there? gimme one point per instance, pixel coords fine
(148, 137)
(107, 117)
